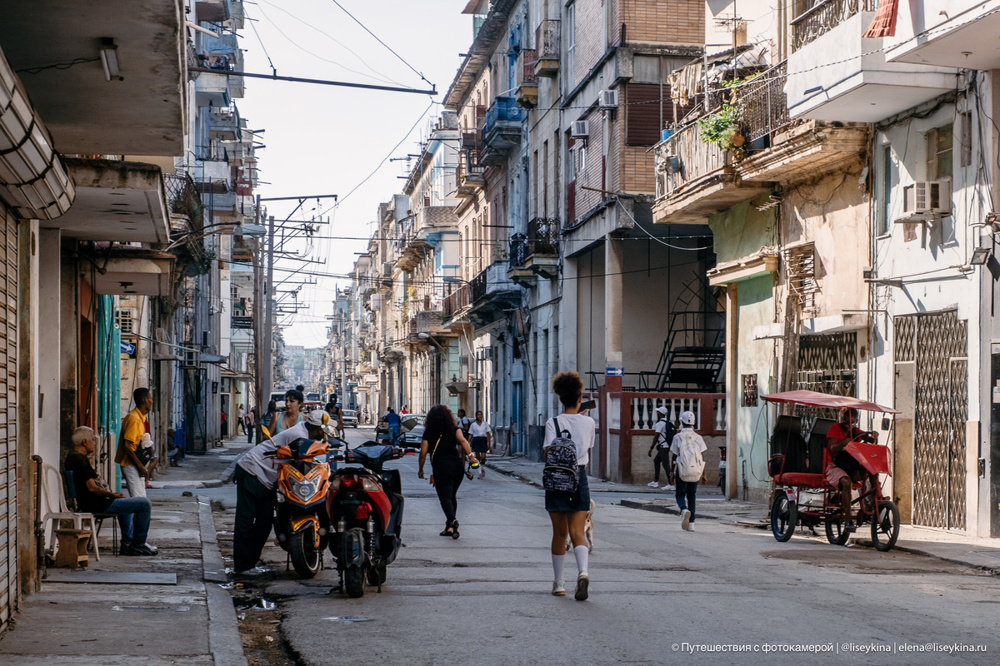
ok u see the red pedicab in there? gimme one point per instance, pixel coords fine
(802, 494)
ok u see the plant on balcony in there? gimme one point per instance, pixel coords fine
(722, 127)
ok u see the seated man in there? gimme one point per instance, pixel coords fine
(843, 468)
(133, 512)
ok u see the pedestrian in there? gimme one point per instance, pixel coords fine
(392, 420)
(224, 425)
(241, 417)
(134, 424)
(464, 422)
(482, 440)
(256, 476)
(267, 420)
(293, 414)
(251, 419)
(405, 409)
(663, 437)
(364, 415)
(337, 416)
(447, 446)
(568, 512)
(688, 450)
(93, 497)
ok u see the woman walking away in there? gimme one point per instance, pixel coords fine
(568, 511)
(446, 444)
(292, 415)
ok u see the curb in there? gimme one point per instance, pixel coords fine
(662, 508)
(223, 628)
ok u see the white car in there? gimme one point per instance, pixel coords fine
(350, 418)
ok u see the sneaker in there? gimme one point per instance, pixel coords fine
(582, 585)
(690, 527)
(152, 548)
(667, 488)
(558, 589)
(653, 484)
(685, 519)
(142, 550)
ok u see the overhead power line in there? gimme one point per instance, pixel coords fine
(322, 82)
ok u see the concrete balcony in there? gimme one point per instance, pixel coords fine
(470, 175)
(424, 232)
(547, 40)
(834, 73)
(501, 130)
(526, 90)
(947, 33)
(536, 254)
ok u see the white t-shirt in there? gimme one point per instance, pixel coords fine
(463, 423)
(660, 428)
(266, 469)
(479, 430)
(581, 430)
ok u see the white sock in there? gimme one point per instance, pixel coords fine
(557, 565)
(582, 555)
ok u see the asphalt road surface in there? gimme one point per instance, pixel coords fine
(720, 595)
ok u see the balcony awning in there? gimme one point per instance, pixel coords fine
(129, 270)
(115, 201)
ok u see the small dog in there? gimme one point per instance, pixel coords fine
(588, 530)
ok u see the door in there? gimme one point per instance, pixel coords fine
(517, 443)
(902, 444)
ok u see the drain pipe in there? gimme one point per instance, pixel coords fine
(40, 571)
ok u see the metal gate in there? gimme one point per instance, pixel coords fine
(936, 344)
(8, 415)
(828, 363)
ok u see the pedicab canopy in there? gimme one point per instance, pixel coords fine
(815, 399)
(874, 457)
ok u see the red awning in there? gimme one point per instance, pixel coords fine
(814, 399)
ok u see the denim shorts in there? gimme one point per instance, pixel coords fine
(578, 501)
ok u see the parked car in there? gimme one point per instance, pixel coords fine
(350, 418)
(413, 437)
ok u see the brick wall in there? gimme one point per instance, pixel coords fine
(589, 46)
(661, 21)
(593, 170)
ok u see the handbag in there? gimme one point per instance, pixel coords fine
(432, 457)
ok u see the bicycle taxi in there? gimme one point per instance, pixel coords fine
(796, 464)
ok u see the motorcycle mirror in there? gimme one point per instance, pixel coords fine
(267, 433)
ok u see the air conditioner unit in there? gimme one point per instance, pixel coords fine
(192, 358)
(579, 130)
(926, 200)
(608, 99)
(387, 269)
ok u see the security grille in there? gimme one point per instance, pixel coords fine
(800, 270)
(125, 320)
(9, 564)
(937, 345)
(828, 363)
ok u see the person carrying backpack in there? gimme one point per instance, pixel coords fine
(688, 450)
(568, 440)
(662, 440)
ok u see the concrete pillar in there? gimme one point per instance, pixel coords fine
(733, 386)
(48, 338)
(27, 396)
(613, 262)
(568, 316)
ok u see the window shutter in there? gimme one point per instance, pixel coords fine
(642, 112)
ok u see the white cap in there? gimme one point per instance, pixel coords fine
(317, 417)
(661, 410)
(687, 418)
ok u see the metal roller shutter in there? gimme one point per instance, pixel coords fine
(8, 420)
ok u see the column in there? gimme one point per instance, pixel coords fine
(613, 310)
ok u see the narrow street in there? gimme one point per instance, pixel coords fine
(656, 591)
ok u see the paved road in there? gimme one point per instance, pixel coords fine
(485, 597)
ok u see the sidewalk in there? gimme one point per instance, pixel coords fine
(167, 609)
(979, 553)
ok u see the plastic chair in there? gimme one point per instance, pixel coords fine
(50, 518)
(99, 518)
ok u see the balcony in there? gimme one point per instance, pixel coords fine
(501, 130)
(537, 254)
(470, 174)
(221, 53)
(430, 322)
(422, 234)
(927, 35)
(222, 123)
(526, 90)
(860, 85)
(547, 41)
(695, 179)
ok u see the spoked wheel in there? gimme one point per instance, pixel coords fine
(783, 517)
(304, 553)
(354, 582)
(885, 525)
(835, 532)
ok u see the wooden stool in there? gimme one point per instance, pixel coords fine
(72, 550)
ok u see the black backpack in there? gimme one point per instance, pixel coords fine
(561, 473)
(668, 436)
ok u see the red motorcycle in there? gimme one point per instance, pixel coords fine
(365, 506)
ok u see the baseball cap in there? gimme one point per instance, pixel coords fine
(317, 417)
(687, 418)
(661, 410)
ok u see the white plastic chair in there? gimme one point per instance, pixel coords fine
(51, 518)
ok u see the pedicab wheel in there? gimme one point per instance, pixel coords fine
(783, 517)
(354, 582)
(835, 532)
(885, 525)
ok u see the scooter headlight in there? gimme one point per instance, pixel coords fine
(305, 489)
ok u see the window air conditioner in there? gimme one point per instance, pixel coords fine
(579, 130)
(926, 200)
(192, 358)
(608, 99)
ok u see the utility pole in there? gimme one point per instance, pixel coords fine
(268, 361)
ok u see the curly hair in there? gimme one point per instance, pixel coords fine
(295, 394)
(569, 387)
(440, 423)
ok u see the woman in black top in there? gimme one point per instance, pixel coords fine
(446, 444)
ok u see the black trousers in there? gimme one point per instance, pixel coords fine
(448, 474)
(254, 519)
(662, 458)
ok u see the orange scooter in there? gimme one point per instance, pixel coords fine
(301, 522)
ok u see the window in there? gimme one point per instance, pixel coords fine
(124, 321)
(569, 34)
(939, 153)
(885, 189)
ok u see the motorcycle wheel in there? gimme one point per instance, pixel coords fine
(305, 556)
(354, 582)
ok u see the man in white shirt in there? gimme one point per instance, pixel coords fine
(688, 451)
(663, 437)
(481, 440)
(256, 476)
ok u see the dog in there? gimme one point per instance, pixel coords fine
(588, 530)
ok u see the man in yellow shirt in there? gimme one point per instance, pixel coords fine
(133, 428)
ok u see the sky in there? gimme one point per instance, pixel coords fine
(327, 140)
